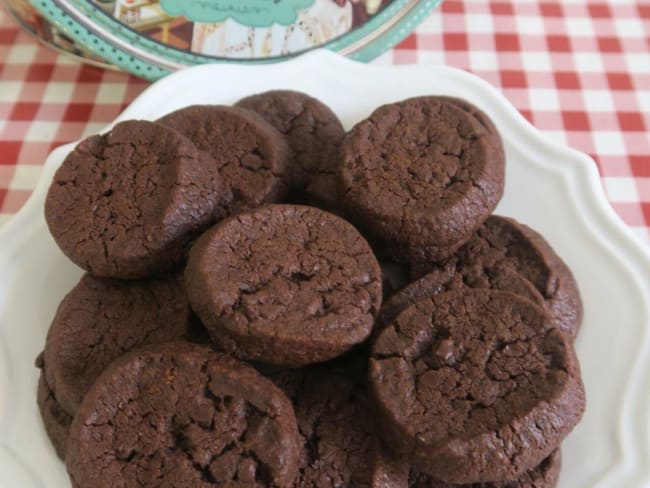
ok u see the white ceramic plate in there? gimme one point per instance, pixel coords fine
(553, 189)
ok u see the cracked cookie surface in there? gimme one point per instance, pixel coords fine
(420, 176)
(284, 284)
(126, 204)
(338, 432)
(476, 386)
(503, 248)
(101, 319)
(314, 134)
(252, 157)
(446, 278)
(545, 475)
(492, 133)
(181, 415)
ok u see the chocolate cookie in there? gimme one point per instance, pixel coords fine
(341, 447)
(545, 475)
(182, 415)
(252, 156)
(492, 132)
(421, 176)
(56, 420)
(99, 320)
(126, 204)
(445, 277)
(284, 284)
(475, 386)
(314, 134)
(502, 247)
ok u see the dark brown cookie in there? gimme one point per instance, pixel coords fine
(475, 386)
(545, 475)
(314, 134)
(502, 247)
(492, 132)
(341, 447)
(421, 176)
(252, 156)
(182, 415)
(284, 284)
(445, 277)
(100, 319)
(126, 204)
(56, 420)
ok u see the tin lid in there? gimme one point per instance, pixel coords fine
(151, 38)
(33, 23)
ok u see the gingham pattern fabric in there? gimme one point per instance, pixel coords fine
(579, 70)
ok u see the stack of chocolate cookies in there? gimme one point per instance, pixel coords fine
(271, 302)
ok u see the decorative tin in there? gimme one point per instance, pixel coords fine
(33, 23)
(153, 37)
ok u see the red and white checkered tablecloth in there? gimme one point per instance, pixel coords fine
(577, 69)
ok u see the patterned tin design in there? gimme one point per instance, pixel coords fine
(151, 38)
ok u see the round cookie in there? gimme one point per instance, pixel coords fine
(252, 156)
(545, 475)
(173, 415)
(314, 134)
(420, 176)
(284, 284)
(126, 204)
(503, 246)
(100, 319)
(475, 386)
(56, 420)
(445, 278)
(341, 447)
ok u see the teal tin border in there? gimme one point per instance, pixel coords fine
(119, 45)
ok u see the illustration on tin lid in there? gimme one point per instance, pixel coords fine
(243, 28)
